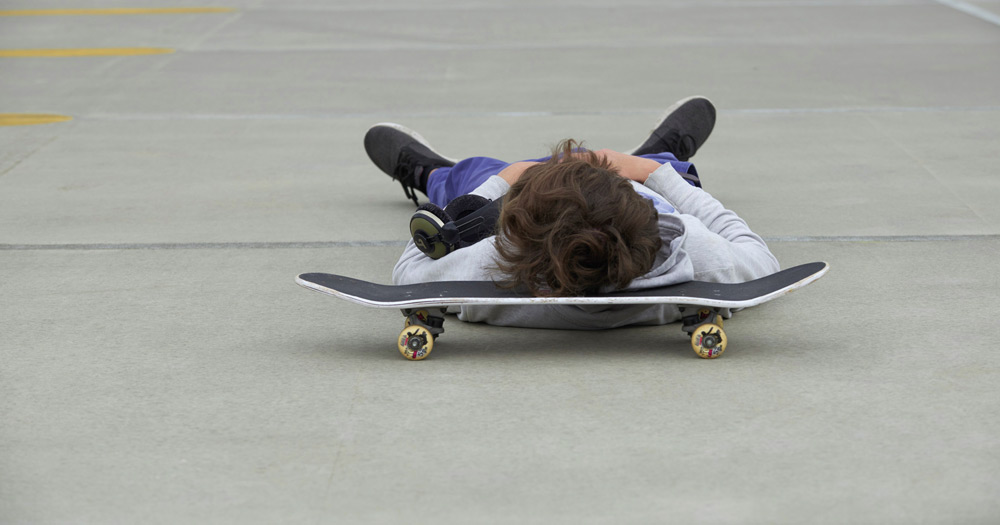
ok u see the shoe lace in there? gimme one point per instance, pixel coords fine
(406, 172)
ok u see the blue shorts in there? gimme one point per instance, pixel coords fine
(445, 184)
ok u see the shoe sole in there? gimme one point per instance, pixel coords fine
(663, 117)
(416, 136)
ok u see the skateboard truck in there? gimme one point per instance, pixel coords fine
(420, 328)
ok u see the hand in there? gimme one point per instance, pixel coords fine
(628, 166)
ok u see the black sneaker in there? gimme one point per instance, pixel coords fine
(685, 127)
(404, 155)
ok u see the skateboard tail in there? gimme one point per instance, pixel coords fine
(305, 283)
(792, 287)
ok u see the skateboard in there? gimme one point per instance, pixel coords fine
(424, 304)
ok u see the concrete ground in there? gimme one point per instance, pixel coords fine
(159, 365)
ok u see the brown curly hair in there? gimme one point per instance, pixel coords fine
(571, 226)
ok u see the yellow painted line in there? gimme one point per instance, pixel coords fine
(28, 119)
(85, 52)
(117, 11)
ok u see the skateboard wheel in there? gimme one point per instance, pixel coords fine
(709, 341)
(415, 342)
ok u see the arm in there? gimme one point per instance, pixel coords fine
(472, 263)
(629, 166)
(663, 179)
(747, 253)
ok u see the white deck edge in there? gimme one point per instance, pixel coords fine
(712, 303)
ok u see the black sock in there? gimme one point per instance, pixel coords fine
(420, 175)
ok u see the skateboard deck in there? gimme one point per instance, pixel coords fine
(424, 304)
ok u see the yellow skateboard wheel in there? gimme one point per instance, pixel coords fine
(709, 341)
(415, 342)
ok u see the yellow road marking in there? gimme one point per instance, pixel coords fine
(27, 119)
(85, 52)
(117, 11)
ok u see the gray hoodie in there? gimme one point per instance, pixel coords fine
(702, 241)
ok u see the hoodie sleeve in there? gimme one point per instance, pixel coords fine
(720, 243)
